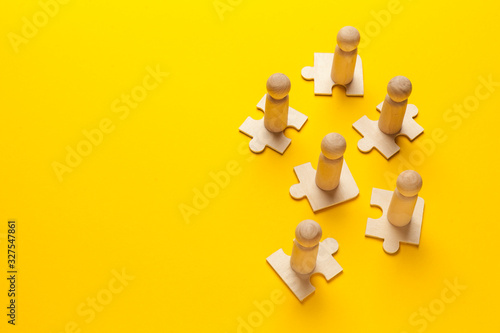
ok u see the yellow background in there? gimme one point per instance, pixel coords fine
(120, 208)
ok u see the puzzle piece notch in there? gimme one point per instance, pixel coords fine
(373, 137)
(321, 74)
(319, 199)
(300, 284)
(383, 229)
(262, 138)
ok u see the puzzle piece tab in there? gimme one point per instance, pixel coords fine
(261, 137)
(373, 137)
(319, 199)
(300, 284)
(392, 235)
(321, 74)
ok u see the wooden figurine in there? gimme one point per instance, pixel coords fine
(395, 103)
(403, 210)
(309, 256)
(269, 131)
(396, 118)
(404, 198)
(330, 161)
(346, 53)
(344, 67)
(332, 183)
(277, 100)
(305, 247)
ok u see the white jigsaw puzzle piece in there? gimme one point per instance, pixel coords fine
(300, 284)
(319, 199)
(321, 74)
(392, 235)
(262, 138)
(373, 137)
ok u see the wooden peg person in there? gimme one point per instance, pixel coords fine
(395, 103)
(345, 55)
(404, 198)
(305, 247)
(277, 102)
(330, 161)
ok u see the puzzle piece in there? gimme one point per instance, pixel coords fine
(319, 199)
(300, 284)
(392, 235)
(373, 137)
(261, 137)
(321, 74)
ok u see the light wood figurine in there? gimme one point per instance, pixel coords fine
(343, 67)
(277, 100)
(346, 53)
(332, 183)
(330, 161)
(309, 256)
(278, 115)
(395, 103)
(402, 216)
(396, 118)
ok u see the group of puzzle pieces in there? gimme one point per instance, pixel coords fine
(323, 84)
(326, 265)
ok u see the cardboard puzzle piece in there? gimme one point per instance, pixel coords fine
(321, 74)
(300, 284)
(319, 199)
(373, 137)
(392, 235)
(261, 137)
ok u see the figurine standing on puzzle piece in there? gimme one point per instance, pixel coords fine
(346, 53)
(332, 183)
(343, 67)
(403, 210)
(396, 118)
(269, 131)
(276, 116)
(395, 103)
(331, 159)
(309, 256)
